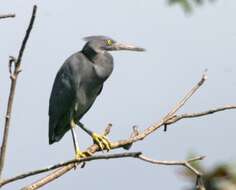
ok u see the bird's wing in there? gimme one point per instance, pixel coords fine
(60, 104)
(100, 90)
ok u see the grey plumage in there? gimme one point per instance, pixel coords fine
(78, 83)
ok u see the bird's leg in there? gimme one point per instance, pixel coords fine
(101, 140)
(78, 153)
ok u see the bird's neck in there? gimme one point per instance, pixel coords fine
(103, 65)
(90, 53)
(102, 62)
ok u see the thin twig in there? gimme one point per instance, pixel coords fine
(188, 95)
(162, 122)
(185, 163)
(176, 118)
(94, 148)
(22, 49)
(7, 16)
(78, 161)
(181, 163)
(13, 77)
(185, 99)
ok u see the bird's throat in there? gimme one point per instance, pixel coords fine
(102, 62)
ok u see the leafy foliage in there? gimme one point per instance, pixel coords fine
(188, 5)
(221, 177)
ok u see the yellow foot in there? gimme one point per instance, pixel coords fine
(80, 154)
(102, 141)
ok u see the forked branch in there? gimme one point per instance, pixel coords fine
(122, 143)
(107, 156)
(13, 77)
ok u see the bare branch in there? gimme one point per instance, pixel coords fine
(176, 118)
(102, 157)
(185, 99)
(188, 95)
(199, 183)
(167, 120)
(21, 51)
(13, 76)
(185, 163)
(181, 163)
(78, 161)
(122, 143)
(7, 16)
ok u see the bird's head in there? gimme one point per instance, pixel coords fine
(104, 43)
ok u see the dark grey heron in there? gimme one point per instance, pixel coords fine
(77, 84)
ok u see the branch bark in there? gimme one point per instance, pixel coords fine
(103, 157)
(7, 16)
(176, 163)
(75, 161)
(13, 77)
(176, 118)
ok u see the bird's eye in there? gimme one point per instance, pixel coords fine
(109, 42)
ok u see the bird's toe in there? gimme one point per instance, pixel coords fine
(80, 154)
(102, 141)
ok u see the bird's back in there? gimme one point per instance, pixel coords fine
(75, 89)
(61, 103)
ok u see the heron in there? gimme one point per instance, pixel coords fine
(77, 84)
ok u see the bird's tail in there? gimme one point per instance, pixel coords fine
(51, 134)
(56, 130)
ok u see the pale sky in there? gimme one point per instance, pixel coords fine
(142, 88)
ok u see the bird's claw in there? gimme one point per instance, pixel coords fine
(80, 154)
(102, 141)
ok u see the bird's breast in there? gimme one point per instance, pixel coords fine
(103, 66)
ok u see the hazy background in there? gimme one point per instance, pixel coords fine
(142, 88)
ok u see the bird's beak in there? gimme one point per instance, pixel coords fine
(124, 46)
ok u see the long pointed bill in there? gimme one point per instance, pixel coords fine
(124, 46)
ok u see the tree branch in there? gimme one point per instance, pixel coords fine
(176, 163)
(122, 143)
(7, 16)
(13, 76)
(102, 157)
(78, 161)
(176, 118)
(185, 163)
(170, 118)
